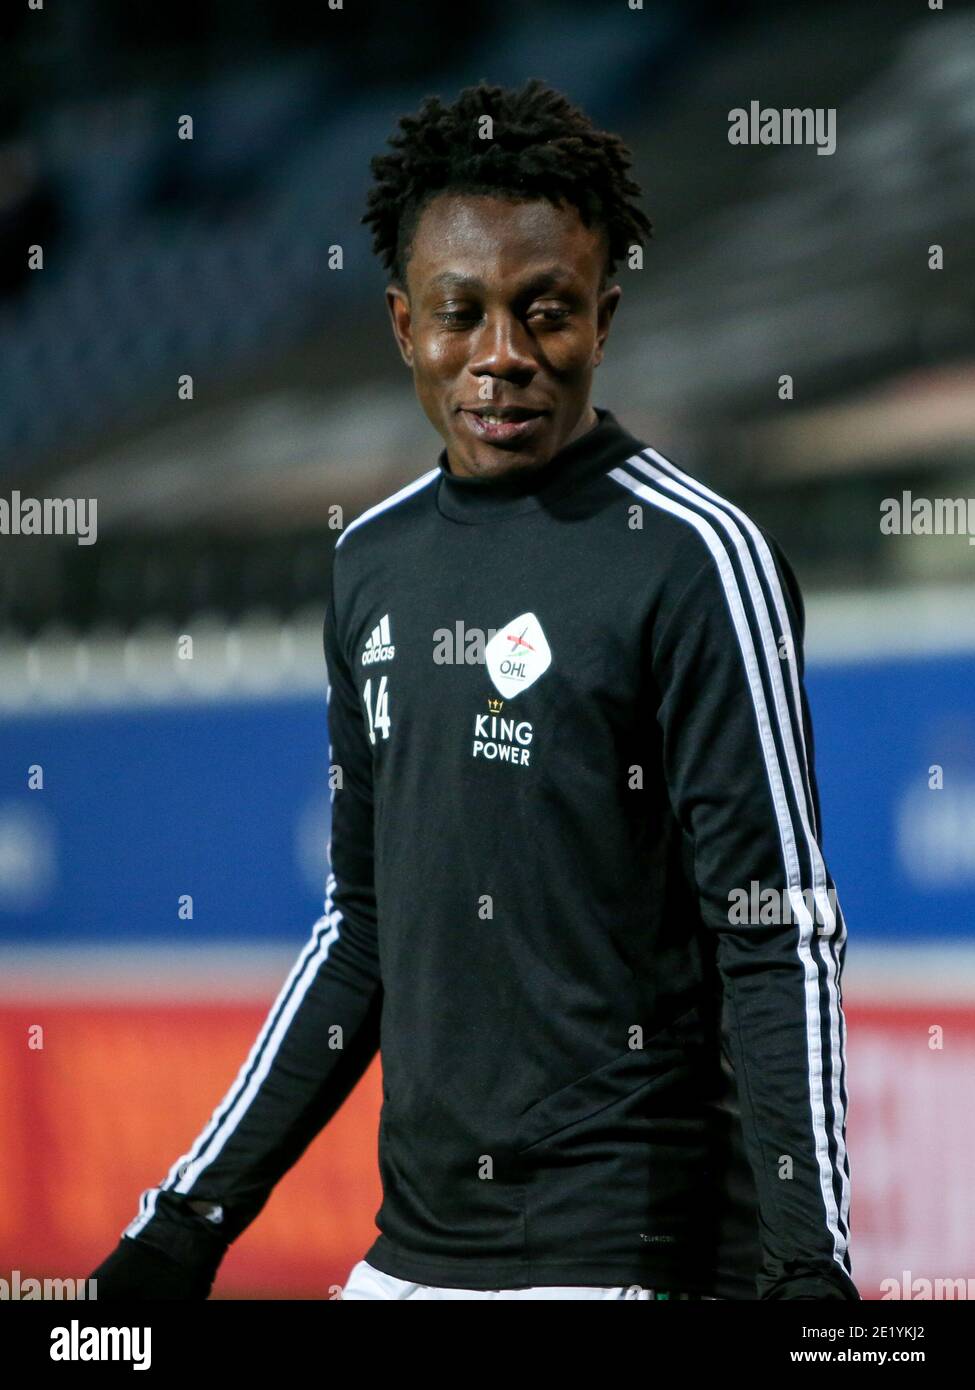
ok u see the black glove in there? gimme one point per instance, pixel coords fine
(135, 1270)
(816, 1290)
(803, 1280)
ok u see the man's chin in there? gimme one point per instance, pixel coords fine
(490, 461)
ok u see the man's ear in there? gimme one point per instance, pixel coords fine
(605, 309)
(398, 304)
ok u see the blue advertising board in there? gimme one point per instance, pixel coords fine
(148, 814)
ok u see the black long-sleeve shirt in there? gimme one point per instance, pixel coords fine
(576, 895)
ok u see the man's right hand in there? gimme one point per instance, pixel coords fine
(135, 1270)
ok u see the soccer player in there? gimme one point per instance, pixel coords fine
(576, 890)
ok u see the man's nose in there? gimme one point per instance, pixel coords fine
(503, 348)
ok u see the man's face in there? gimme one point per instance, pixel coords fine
(503, 315)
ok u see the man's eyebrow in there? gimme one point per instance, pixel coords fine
(452, 280)
(547, 279)
(542, 280)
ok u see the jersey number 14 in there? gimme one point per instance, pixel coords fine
(380, 718)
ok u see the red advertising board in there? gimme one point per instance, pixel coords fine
(99, 1103)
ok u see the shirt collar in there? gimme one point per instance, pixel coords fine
(481, 499)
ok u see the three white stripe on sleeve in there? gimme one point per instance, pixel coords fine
(684, 497)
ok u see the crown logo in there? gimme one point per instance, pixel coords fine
(495, 706)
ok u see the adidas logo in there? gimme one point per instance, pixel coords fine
(378, 647)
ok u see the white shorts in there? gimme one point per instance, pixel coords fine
(366, 1282)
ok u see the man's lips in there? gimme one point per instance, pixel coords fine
(507, 412)
(501, 424)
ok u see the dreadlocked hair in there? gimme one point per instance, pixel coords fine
(541, 147)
